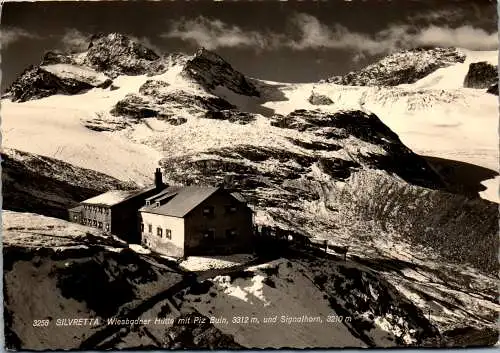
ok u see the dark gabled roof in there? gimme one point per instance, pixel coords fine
(115, 197)
(183, 201)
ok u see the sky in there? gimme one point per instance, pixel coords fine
(280, 41)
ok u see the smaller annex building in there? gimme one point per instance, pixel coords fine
(115, 211)
(196, 220)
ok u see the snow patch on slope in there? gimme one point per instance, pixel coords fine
(292, 294)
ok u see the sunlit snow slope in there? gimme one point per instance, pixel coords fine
(435, 116)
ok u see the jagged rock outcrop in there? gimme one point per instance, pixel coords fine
(56, 57)
(404, 67)
(166, 105)
(210, 70)
(42, 81)
(231, 115)
(116, 54)
(319, 99)
(396, 158)
(160, 93)
(153, 88)
(135, 107)
(481, 75)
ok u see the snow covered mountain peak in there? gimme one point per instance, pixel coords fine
(210, 70)
(403, 67)
(117, 54)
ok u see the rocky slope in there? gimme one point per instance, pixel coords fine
(47, 186)
(56, 270)
(403, 67)
(42, 81)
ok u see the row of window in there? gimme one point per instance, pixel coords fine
(94, 223)
(209, 235)
(159, 231)
(96, 209)
(209, 211)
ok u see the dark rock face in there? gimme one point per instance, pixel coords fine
(184, 99)
(135, 107)
(116, 54)
(403, 67)
(316, 145)
(398, 159)
(481, 75)
(493, 89)
(36, 83)
(338, 169)
(54, 57)
(319, 99)
(210, 70)
(153, 88)
(231, 115)
(161, 104)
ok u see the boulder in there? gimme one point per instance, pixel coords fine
(481, 75)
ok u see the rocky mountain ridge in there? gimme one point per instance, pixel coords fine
(115, 54)
(403, 67)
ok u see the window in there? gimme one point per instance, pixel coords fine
(231, 233)
(208, 211)
(107, 227)
(142, 227)
(209, 235)
(150, 228)
(148, 203)
(100, 225)
(231, 208)
(168, 234)
(94, 223)
(159, 231)
(75, 217)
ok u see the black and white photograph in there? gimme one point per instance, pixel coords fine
(235, 175)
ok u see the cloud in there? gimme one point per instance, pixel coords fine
(75, 41)
(307, 32)
(464, 37)
(12, 35)
(213, 34)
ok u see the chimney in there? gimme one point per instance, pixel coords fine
(158, 179)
